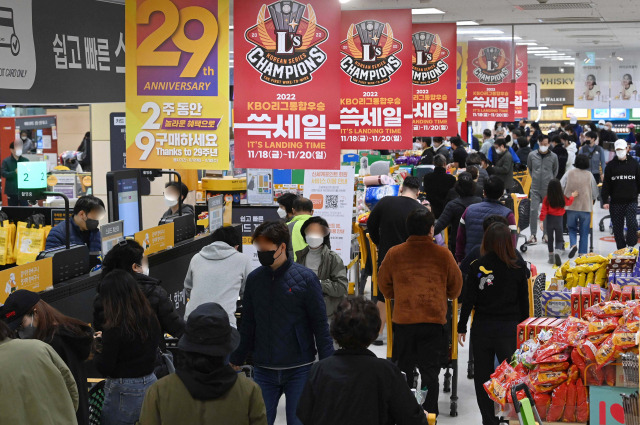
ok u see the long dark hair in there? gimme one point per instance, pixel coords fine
(123, 256)
(50, 319)
(125, 305)
(497, 239)
(555, 194)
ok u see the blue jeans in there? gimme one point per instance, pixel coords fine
(274, 383)
(579, 222)
(123, 399)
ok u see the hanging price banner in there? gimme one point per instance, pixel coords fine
(177, 84)
(521, 94)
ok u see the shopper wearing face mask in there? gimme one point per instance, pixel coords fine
(324, 262)
(543, 167)
(70, 338)
(230, 267)
(284, 322)
(503, 163)
(27, 144)
(10, 173)
(595, 153)
(173, 191)
(129, 256)
(620, 190)
(83, 226)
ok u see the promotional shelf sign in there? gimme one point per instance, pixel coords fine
(375, 67)
(592, 82)
(156, 238)
(285, 111)
(461, 81)
(434, 80)
(36, 277)
(521, 93)
(177, 84)
(490, 90)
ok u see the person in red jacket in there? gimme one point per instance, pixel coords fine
(553, 210)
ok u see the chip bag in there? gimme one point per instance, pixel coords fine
(606, 353)
(549, 378)
(558, 402)
(624, 338)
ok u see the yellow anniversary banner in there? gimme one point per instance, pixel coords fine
(177, 84)
(156, 238)
(35, 277)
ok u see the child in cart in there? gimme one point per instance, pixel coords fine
(553, 209)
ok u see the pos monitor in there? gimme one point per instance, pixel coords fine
(123, 195)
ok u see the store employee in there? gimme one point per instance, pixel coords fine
(84, 226)
(173, 191)
(10, 173)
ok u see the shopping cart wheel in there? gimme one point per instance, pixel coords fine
(601, 226)
(523, 248)
(447, 382)
(454, 409)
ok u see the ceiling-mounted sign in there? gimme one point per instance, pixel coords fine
(375, 64)
(434, 80)
(625, 76)
(556, 86)
(285, 111)
(177, 84)
(521, 93)
(592, 82)
(61, 51)
(490, 86)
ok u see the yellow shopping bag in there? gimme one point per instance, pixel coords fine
(29, 243)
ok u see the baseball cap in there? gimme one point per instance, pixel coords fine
(601, 122)
(208, 332)
(17, 305)
(620, 144)
(631, 126)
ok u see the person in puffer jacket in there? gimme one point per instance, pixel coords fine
(129, 256)
(284, 322)
(543, 167)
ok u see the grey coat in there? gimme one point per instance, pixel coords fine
(542, 168)
(333, 277)
(598, 157)
(504, 169)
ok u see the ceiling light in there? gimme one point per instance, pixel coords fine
(537, 48)
(231, 27)
(526, 43)
(569, 63)
(549, 53)
(499, 38)
(425, 11)
(558, 59)
(479, 31)
(620, 58)
(344, 1)
(465, 23)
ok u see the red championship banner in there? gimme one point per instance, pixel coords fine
(285, 109)
(434, 80)
(521, 99)
(490, 92)
(375, 104)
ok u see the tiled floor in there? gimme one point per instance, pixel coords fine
(468, 412)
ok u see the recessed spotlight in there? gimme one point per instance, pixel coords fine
(425, 11)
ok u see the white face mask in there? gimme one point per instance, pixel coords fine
(18, 152)
(282, 213)
(543, 149)
(621, 154)
(170, 202)
(315, 241)
(23, 138)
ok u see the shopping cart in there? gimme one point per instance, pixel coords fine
(525, 408)
(521, 207)
(522, 183)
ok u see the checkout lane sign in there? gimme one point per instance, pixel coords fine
(17, 50)
(35, 277)
(177, 84)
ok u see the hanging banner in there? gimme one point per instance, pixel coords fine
(177, 84)
(521, 93)
(434, 80)
(490, 90)
(331, 192)
(461, 81)
(556, 86)
(376, 103)
(285, 109)
(592, 82)
(61, 51)
(624, 74)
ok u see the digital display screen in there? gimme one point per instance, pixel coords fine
(600, 114)
(618, 113)
(32, 175)
(128, 208)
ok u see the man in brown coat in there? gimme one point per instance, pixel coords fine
(420, 276)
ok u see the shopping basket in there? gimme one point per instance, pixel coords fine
(96, 400)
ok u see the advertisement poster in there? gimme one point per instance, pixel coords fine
(521, 94)
(177, 84)
(285, 111)
(461, 81)
(624, 75)
(592, 82)
(35, 277)
(556, 87)
(376, 109)
(250, 218)
(61, 51)
(490, 90)
(260, 186)
(331, 192)
(215, 208)
(434, 80)
(156, 239)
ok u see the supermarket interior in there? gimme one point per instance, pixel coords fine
(405, 212)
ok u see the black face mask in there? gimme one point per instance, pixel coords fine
(92, 224)
(267, 258)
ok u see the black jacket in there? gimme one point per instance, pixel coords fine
(170, 321)
(451, 217)
(621, 181)
(74, 349)
(497, 292)
(563, 156)
(9, 172)
(523, 154)
(427, 156)
(356, 387)
(436, 186)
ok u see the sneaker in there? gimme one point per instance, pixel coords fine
(551, 259)
(532, 240)
(379, 341)
(572, 251)
(558, 262)
(544, 238)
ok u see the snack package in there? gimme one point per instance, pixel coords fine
(607, 309)
(627, 294)
(606, 353)
(552, 352)
(624, 337)
(574, 373)
(610, 375)
(558, 402)
(576, 303)
(542, 402)
(601, 327)
(582, 402)
(551, 367)
(569, 414)
(524, 355)
(591, 258)
(549, 378)
(500, 383)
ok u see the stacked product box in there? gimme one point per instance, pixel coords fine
(583, 298)
(531, 327)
